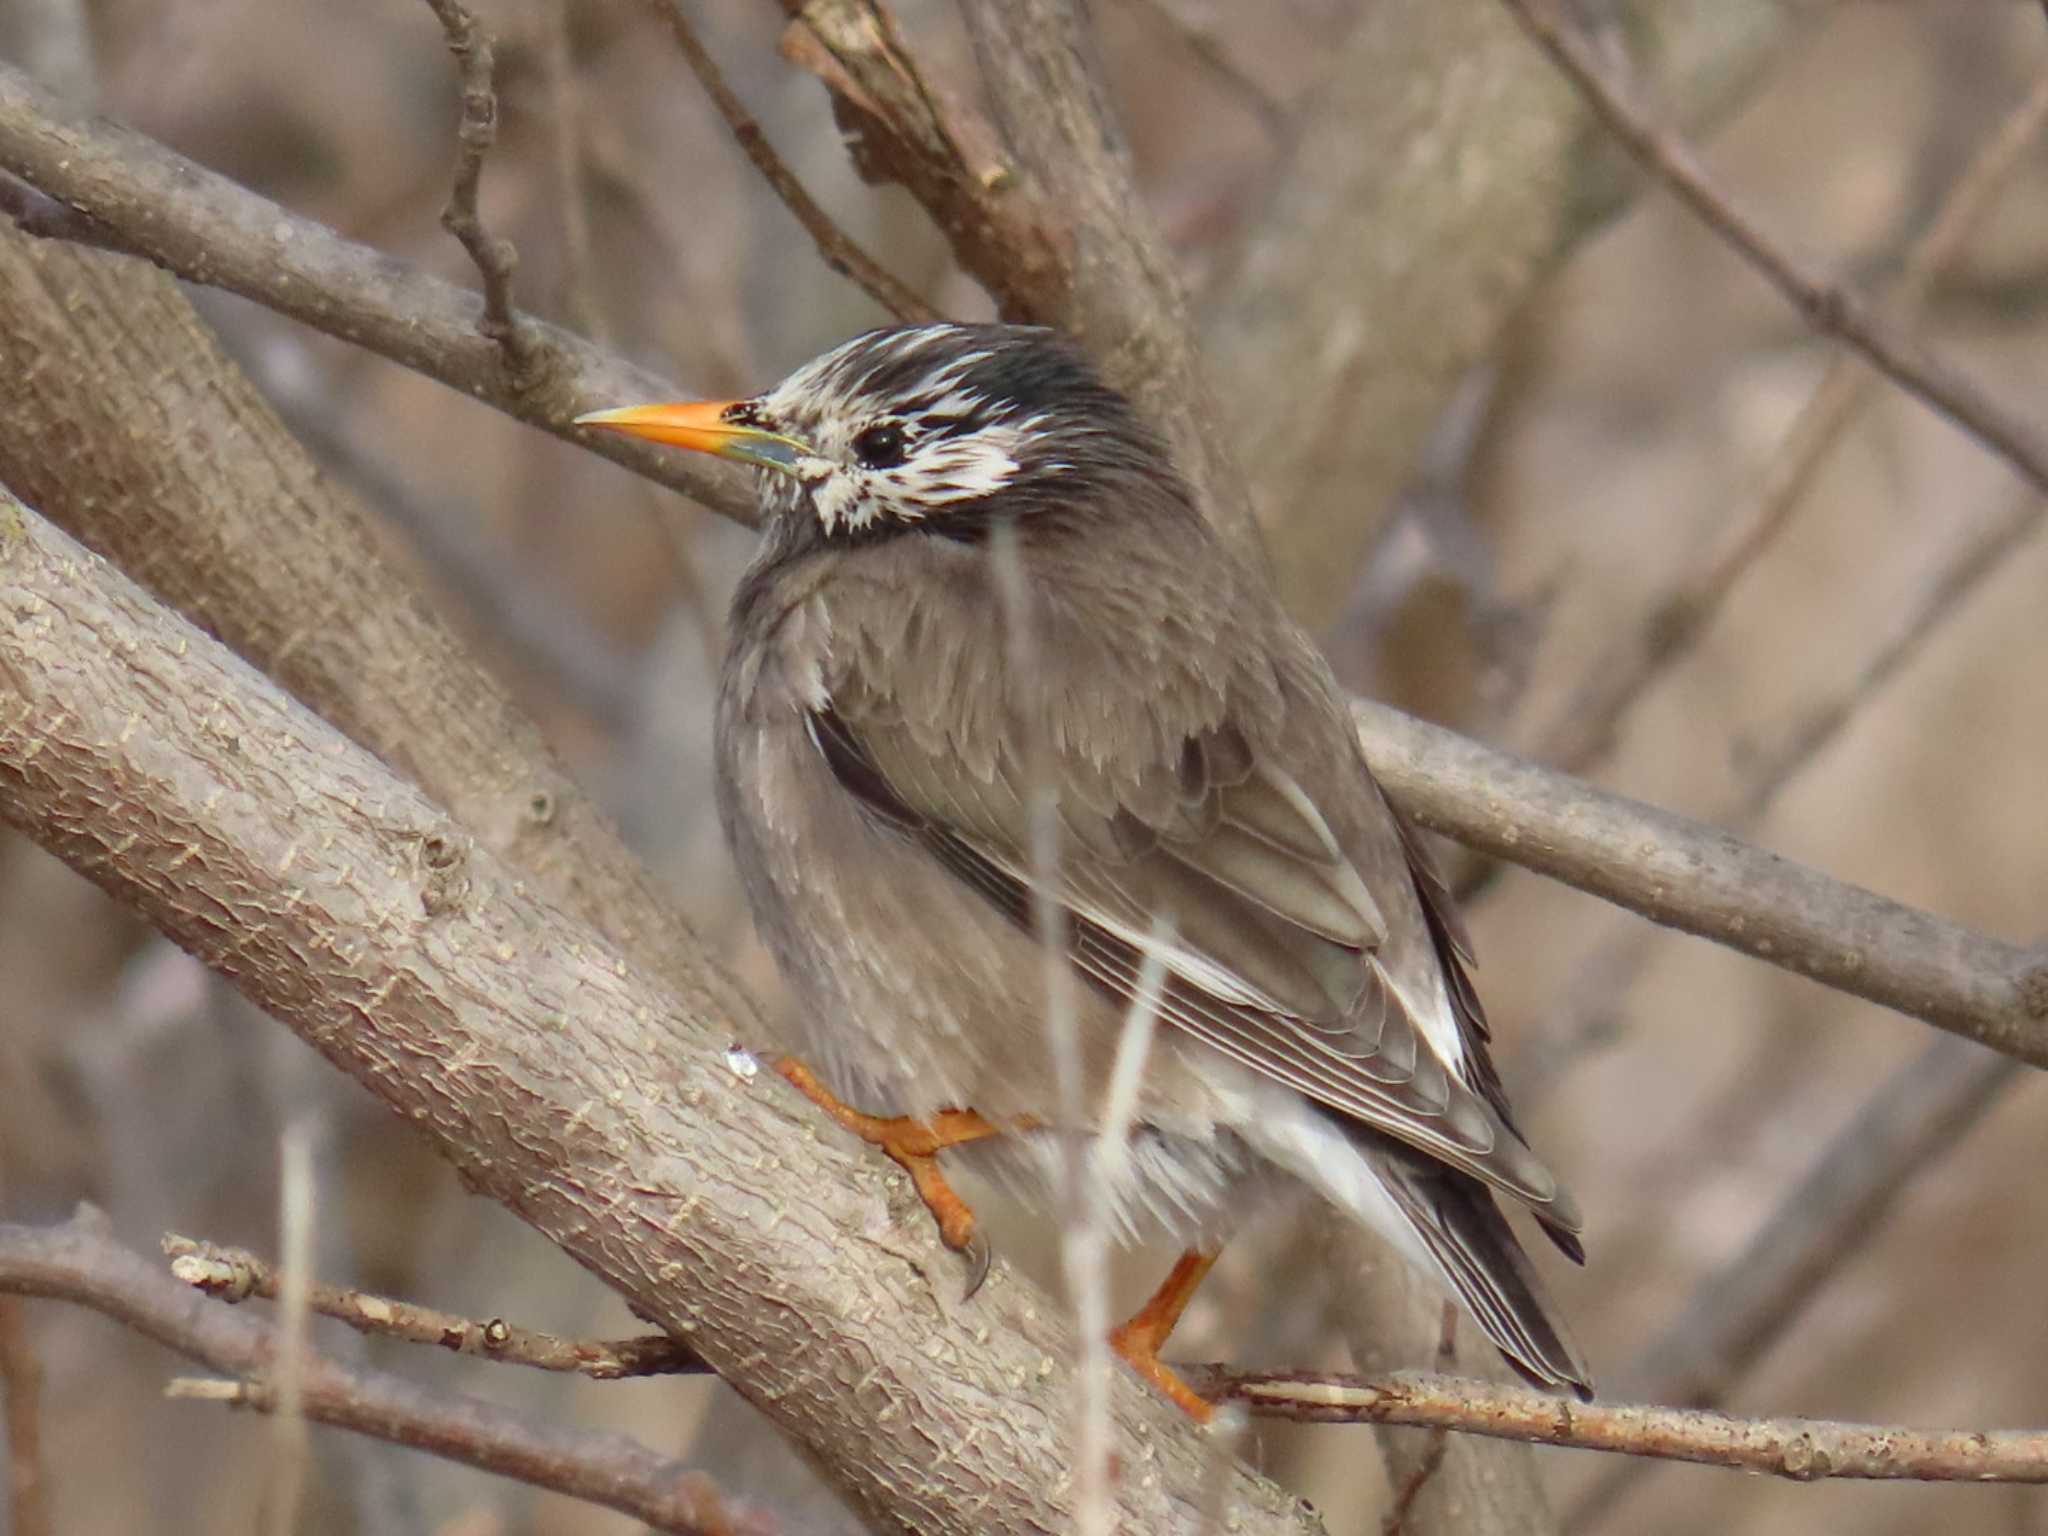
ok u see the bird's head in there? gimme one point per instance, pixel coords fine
(939, 428)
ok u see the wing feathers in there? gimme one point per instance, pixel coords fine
(1272, 961)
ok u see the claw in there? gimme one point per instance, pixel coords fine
(979, 1256)
(914, 1144)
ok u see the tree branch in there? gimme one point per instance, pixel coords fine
(81, 1263)
(559, 1078)
(1703, 881)
(1753, 1299)
(1827, 306)
(207, 229)
(233, 1275)
(1434, 178)
(1585, 728)
(476, 59)
(838, 249)
(1123, 299)
(1804, 1450)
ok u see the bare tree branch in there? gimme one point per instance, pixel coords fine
(1971, 557)
(1804, 1450)
(566, 145)
(1209, 51)
(1123, 299)
(207, 229)
(1693, 877)
(903, 128)
(841, 252)
(1828, 306)
(1438, 174)
(81, 1263)
(1751, 1301)
(1584, 729)
(476, 58)
(605, 1110)
(1666, 867)
(235, 1274)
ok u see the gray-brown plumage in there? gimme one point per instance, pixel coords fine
(877, 751)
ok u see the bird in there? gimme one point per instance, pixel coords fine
(989, 663)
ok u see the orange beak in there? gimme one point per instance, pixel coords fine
(701, 425)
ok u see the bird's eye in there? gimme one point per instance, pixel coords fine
(880, 446)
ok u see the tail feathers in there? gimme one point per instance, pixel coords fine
(1463, 1231)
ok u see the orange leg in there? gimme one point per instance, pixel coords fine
(914, 1144)
(1139, 1339)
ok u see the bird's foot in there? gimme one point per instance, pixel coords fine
(1139, 1339)
(914, 1145)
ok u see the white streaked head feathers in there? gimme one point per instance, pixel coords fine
(904, 426)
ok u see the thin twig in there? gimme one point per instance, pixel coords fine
(1585, 729)
(1766, 769)
(1804, 1450)
(235, 1274)
(470, 41)
(1972, 558)
(602, 1106)
(1827, 306)
(21, 1387)
(143, 199)
(1752, 1300)
(1202, 45)
(81, 1263)
(1432, 1459)
(840, 251)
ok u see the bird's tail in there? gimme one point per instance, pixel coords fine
(1463, 1232)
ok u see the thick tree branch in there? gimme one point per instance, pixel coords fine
(81, 1263)
(1123, 298)
(1695, 878)
(1804, 1450)
(1828, 306)
(206, 229)
(1613, 847)
(558, 1077)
